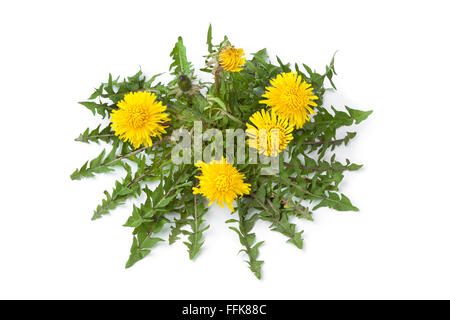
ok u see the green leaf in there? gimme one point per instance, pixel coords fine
(218, 101)
(358, 115)
(261, 193)
(209, 39)
(308, 69)
(330, 71)
(164, 202)
(122, 191)
(195, 211)
(135, 220)
(101, 164)
(141, 248)
(102, 109)
(333, 201)
(176, 229)
(96, 93)
(247, 239)
(108, 204)
(97, 135)
(180, 65)
(148, 84)
(284, 67)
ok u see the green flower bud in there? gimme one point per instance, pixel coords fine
(184, 83)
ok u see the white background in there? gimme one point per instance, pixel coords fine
(393, 58)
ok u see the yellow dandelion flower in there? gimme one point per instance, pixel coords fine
(139, 118)
(263, 138)
(290, 98)
(220, 182)
(231, 59)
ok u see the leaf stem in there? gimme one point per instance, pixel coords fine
(85, 139)
(217, 77)
(195, 229)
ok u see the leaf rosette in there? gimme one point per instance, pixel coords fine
(242, 93)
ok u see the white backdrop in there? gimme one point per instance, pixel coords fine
(393, 58)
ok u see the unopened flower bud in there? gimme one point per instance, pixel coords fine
(184, 83)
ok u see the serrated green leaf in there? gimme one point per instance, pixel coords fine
(209, 39)
(358, 115)
(180, 65)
